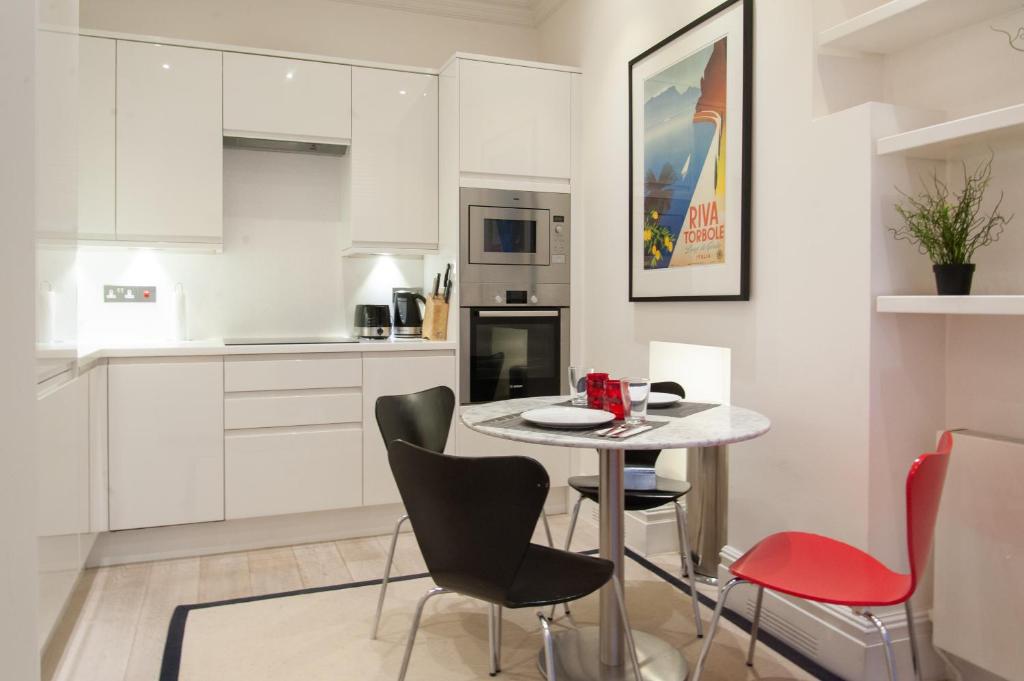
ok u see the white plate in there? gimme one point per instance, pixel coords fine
(662, 399)
(568, 417)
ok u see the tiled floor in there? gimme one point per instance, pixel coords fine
(122, 626)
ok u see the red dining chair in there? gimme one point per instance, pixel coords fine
(817, 568)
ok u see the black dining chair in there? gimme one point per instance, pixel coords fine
(473, 519)
(665, 491)
(423, 418)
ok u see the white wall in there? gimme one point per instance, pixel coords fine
(328, 27)
(787, 362)
(18, 587)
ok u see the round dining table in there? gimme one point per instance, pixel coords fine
(599, 653)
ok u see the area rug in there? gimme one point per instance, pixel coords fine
(323, 634)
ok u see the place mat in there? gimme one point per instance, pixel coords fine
(517, 422)
(681, 410)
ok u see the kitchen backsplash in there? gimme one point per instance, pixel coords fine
(280, 272)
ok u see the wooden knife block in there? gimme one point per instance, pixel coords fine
(435, 319)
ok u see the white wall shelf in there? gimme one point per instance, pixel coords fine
(959, 137)
(899, 24)
(977, 305)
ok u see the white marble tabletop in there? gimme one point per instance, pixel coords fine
(720, 425)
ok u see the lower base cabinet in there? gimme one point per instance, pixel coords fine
(292, 471)
(166, 441)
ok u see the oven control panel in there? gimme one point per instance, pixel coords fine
(498, 295)
(559, 239)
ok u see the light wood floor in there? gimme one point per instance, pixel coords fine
(124, 611)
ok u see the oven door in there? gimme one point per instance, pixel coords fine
(509, 236)
(513, 353)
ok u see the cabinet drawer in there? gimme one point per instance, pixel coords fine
(292, 372)
(262, 410)
(293, 471)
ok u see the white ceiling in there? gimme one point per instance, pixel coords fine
(515, 12)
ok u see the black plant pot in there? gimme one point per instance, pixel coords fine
(953, 280)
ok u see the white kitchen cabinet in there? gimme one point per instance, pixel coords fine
(292, 372)
(393, 160)
(166, 441)
(169, 144)
(514, 120)
(396, 373)
(62, 493)
(97, 88)
(56, 137)
(277, 471)
(286, 99)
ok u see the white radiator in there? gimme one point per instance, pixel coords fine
(979, 555)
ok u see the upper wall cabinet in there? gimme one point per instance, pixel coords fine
(56, 134)
(286, 99)
(393, 160)
(169, 144)
(96, 134)
(515, 120)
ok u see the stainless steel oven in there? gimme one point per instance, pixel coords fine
(513, 294)
(509, 353)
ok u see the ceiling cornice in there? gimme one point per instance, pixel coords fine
(510, 12)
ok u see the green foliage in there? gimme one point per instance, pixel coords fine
(949, 227)
(658, 242)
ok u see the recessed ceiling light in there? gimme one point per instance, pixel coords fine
(289, 75)
(167, 67)
(401, 92)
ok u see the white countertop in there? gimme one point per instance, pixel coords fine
(63, 354)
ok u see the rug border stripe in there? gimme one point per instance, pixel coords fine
(170, 666)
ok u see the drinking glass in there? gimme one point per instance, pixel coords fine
(595, 389)
(635, 393)
(615, 399)
(578, 385)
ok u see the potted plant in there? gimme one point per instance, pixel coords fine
(950, 226)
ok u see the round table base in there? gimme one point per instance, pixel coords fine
(577, 658)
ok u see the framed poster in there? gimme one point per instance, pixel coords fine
(689, 174)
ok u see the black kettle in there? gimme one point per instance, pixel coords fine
(408, 318)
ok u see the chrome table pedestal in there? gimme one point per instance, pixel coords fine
(599, 653)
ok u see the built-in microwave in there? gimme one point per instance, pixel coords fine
(514, 240)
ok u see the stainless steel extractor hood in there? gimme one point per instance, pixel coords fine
(291, 146)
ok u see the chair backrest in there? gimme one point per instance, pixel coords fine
(473, 517)
(648, 458)
(422, 418)
(924, 489)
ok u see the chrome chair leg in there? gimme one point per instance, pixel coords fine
(723, 593)
(547, 528)
(890, 660)
(437, 590)
(572, 522)
(568, 542)
(630, 643)
(687, 562)
(914, 655)
(387, 575)
(494, 632)
(755, 625)
(549, 648)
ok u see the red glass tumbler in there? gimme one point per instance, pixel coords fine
(595, 390)
(613, 401)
